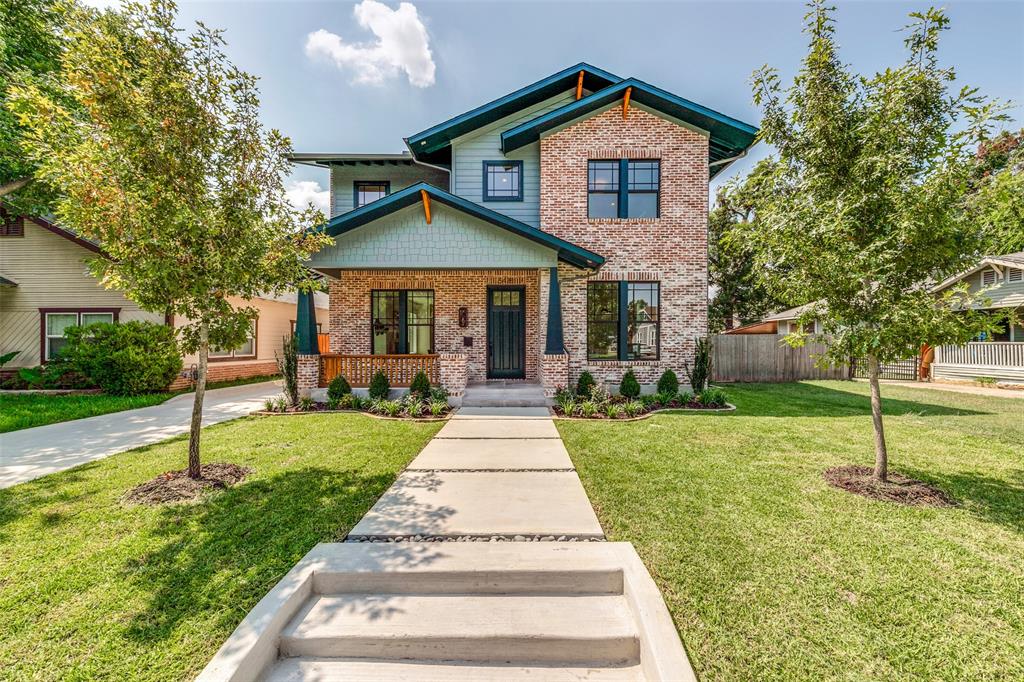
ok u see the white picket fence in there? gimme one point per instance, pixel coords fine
(1000, 360)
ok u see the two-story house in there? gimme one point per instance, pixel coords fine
(557, 229)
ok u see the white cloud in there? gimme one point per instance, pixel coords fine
(402, 45)
(302, 193)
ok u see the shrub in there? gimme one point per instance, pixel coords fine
(668, 383)
(420, 385)
(130, 358)
(391, 408)
(439, 393)
(564, 394)
(306, 403)
(280, 405)
(415, 408)
(338, 387)
(334, 403)
(379, 386)
(633, 408)
(585, 385)
(612, 410)
(712, 397)
(355, 402)
(629, 387)
(701, 371)
(664, 399)
(268, 405)
(588, 408)
(288, 363)
(685, 398)
(566, 403)
(438, 407)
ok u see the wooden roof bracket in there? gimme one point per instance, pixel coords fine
(426, 204)
(625, 102)
(579, 86)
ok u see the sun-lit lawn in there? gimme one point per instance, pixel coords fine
(772, 574)
(91, 588)
(25, 410)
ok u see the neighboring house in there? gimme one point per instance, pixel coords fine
(46, 286)
(1000, 280)
(783, 322)
(557, 229)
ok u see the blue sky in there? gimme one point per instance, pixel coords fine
(704, 51)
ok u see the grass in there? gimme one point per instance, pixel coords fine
(92, 588)
(771, 574)
(25, 410)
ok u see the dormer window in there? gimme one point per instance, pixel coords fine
(609, 197)
(503, 181)
(988, 278)
(366, 191)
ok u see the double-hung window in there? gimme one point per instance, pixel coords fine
(244, 351)
(57, 322)
(623, 320)
(402, 322)
(365, 191)
(503, 181)
(623, 188)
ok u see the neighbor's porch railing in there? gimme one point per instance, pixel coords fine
(359, 369)
(988, 353)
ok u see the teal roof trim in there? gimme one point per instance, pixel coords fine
(433, 139)
(409, 196)
(729, 136)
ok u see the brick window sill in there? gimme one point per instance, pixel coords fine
(623, 221)
(625, 363)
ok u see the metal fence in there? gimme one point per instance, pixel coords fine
(767, 358)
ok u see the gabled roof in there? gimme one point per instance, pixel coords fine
(328, 160)
(409, 196)
(790, 313)
(729, 136)
(1007, 260)
(431, 144)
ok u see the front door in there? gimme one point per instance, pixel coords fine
(506, 332)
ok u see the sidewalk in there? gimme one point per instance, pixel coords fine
(953, 388)
(31, 453)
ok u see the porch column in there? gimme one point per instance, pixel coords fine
(554, 343)
(306, 343)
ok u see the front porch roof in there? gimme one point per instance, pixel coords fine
(409, 196)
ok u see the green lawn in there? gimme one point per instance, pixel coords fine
(91, 588)
(771, 574)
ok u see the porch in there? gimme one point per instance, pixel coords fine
(999, 360)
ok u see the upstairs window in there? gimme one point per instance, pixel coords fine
(1014, 275)
(988, 278)
(403, 322)
(366, 192)
(623, 188)
(503, 181)
(623, 320)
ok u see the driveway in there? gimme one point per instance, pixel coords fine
(31, 453)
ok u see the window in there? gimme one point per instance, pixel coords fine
(402, 322)
(623, 320)
(366, 192)
(609, 197)
(57, 322)
(1014, 275)
(319, 327)
(988, 278)
(244, 351)
(11, 225)
(503, 181)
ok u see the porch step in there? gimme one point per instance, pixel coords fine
(504, 394)
(363, 670)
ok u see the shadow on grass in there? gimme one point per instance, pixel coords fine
(996, 500)
(219, 556)
(811, 400)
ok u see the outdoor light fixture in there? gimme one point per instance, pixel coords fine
(463, 316)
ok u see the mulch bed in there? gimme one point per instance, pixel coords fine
(176, 486)
(860, 480)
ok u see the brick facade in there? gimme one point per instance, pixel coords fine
(219, 371)
(308, 373)
(670, 249)
(454, 373)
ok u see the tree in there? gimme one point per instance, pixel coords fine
(171, 171)
(997, 200)
(740, 293)
(863, 207)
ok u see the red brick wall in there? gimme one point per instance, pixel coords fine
(671, 249)
(229, 371)
(350, 310)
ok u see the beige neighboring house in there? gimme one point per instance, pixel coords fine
(783, 322)
(46, 287)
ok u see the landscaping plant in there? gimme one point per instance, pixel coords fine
(700, 373)
(338, 388)
(668, 384)
(306, 403)
(420, 385)
(630, 387)
(438, 407)
(154, 144)
(712, 397)
(127, 358)
(288, 363)
(633, 408)
(585, 384)
(862, 207)
(379, 386)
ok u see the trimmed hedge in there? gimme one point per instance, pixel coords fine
(379, 386)
(629, 387)
(128, 358)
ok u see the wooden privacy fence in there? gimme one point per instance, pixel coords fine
(359, 369)
(766, 357)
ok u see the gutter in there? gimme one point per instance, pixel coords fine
(729, 161)
(428, 165)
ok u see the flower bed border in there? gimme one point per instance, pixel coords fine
(729, 407)
(295, 413)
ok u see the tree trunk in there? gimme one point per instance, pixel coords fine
(197, 402)
(881, 453)
(13, 185)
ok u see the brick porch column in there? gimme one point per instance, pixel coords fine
(454, 373)
(308, 372)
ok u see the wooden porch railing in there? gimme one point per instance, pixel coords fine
(359, 369)
(987, 353)
(323, 343)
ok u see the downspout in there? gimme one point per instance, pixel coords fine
(428, 165)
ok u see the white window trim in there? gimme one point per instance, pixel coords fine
(78, 322)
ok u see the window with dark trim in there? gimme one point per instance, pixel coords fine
(55, 322)
(402, 322)
(319, 327)
(244, 351)
(503, 181)
(623, 320)
(367, 191)
(623, 188)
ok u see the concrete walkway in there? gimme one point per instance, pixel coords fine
(31, 453)
(953, 388)
(490, 472)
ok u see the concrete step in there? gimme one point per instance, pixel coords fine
(504, 395)
(579, 630)
(360, 670)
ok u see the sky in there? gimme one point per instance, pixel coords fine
(359, 76)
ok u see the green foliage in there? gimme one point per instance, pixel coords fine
(700, 373)
(612, 410)
(53, 375)
(668, 383)
(630, 387)
(128, 358)
(338, 388)
(585, 384)
(306, 403)
(391, 408)
(7, 357)
(633, 408)
(379, 386)
(712, 397)
(997, 198)
(566, 402)
(439, 393)
(587, 408)
(685, 398)
(420, 385)
(288, 364)
(438, 407)
(415, 408)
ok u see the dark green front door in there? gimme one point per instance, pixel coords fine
(506, 332)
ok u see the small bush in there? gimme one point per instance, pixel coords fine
(566, 403)
(612, 410)
(701, 371)
(420, 385)
(334, 403)
(338, 387)
(564, 394)
(306, 403)
(268, 405)
(288, 363)
(664, 399)
(415, 408)
(355, 402)
(130, 358)
(713, 397)
(391, 408)
(685, 398)
(280, 405)
(633, 408)
(588, 408)
(668, 383)
(585, 385)
(629, 387)
(438, 407)
(379, 386)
